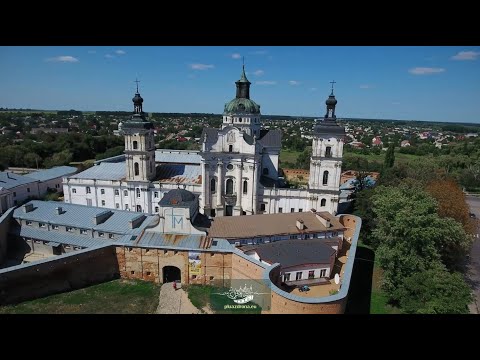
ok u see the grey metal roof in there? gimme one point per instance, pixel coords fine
(179, 174)
(210, 133)
(81, 216)
(295, 252)
(185, 241)
(272, 138)
(104, 171)
(57, 236)
(118, 158)
(328, 128)
(10, 180)
(55, 172)
(171, 156)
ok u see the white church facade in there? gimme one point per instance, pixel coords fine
(236, 172)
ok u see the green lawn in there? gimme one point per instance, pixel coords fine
(381, 157)
(378, 300)
(289, 156)
(113, 297)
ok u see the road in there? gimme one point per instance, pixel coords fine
(474, 263)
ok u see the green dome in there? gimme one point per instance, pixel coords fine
(242, 105)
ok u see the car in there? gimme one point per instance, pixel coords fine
(303, 288)
(472, 215)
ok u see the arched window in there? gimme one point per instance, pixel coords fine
(138, 192)
(328, 151)
(265, 171)
(323, 202)
(139, 208)
(213, 186)
(239, 119)
(229, 186)
(125, 193)
(230, 148)
(245, 186)
(137, 169)
(135, 145)
(325, 177)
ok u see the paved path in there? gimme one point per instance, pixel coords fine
(473, 272)
(175, 301)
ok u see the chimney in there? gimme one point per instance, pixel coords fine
(325, 221)
(58, 210)
(300, 224)
(102, 217)
(136, 221)
(28, 207)
(313, 210)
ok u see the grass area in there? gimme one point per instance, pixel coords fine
(289, 156)
(381, 157)
(378, 302)
(203, 295)
(113, 297)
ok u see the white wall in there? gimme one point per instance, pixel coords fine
(293, 274)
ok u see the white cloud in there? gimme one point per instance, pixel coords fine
(294, 82)
(236, 56)
(425, 70)
(120, 52)
(466, 55)
(266, 82)
(313, 89)
(201, 66)
(91, 51)
(366, 86)
(109, 56)
(63, 58)
(258, 72)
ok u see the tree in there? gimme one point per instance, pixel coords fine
(363, 209)
(303, 160)
(410, 236)
(451, 202)
(62, 158)
(32, 160)
(434, 291)
(390, 156)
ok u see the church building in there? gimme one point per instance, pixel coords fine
(236, 172)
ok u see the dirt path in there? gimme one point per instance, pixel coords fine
(175, 301)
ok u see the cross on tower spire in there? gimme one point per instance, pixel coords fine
(137, 81)
(332, 82)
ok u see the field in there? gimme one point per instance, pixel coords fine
(289, 156)
(113, 297)
(381, 157)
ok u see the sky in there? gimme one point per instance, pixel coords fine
(409, 83)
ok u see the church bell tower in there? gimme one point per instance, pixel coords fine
(139, 143)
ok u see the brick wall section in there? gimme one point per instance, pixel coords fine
(58, 274)
(244, 269)
(148, 264)
(4, 224)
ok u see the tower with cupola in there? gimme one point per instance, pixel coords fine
(326, 160)
(242, 112)
(139, 144)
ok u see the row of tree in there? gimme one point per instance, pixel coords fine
(419, 226)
